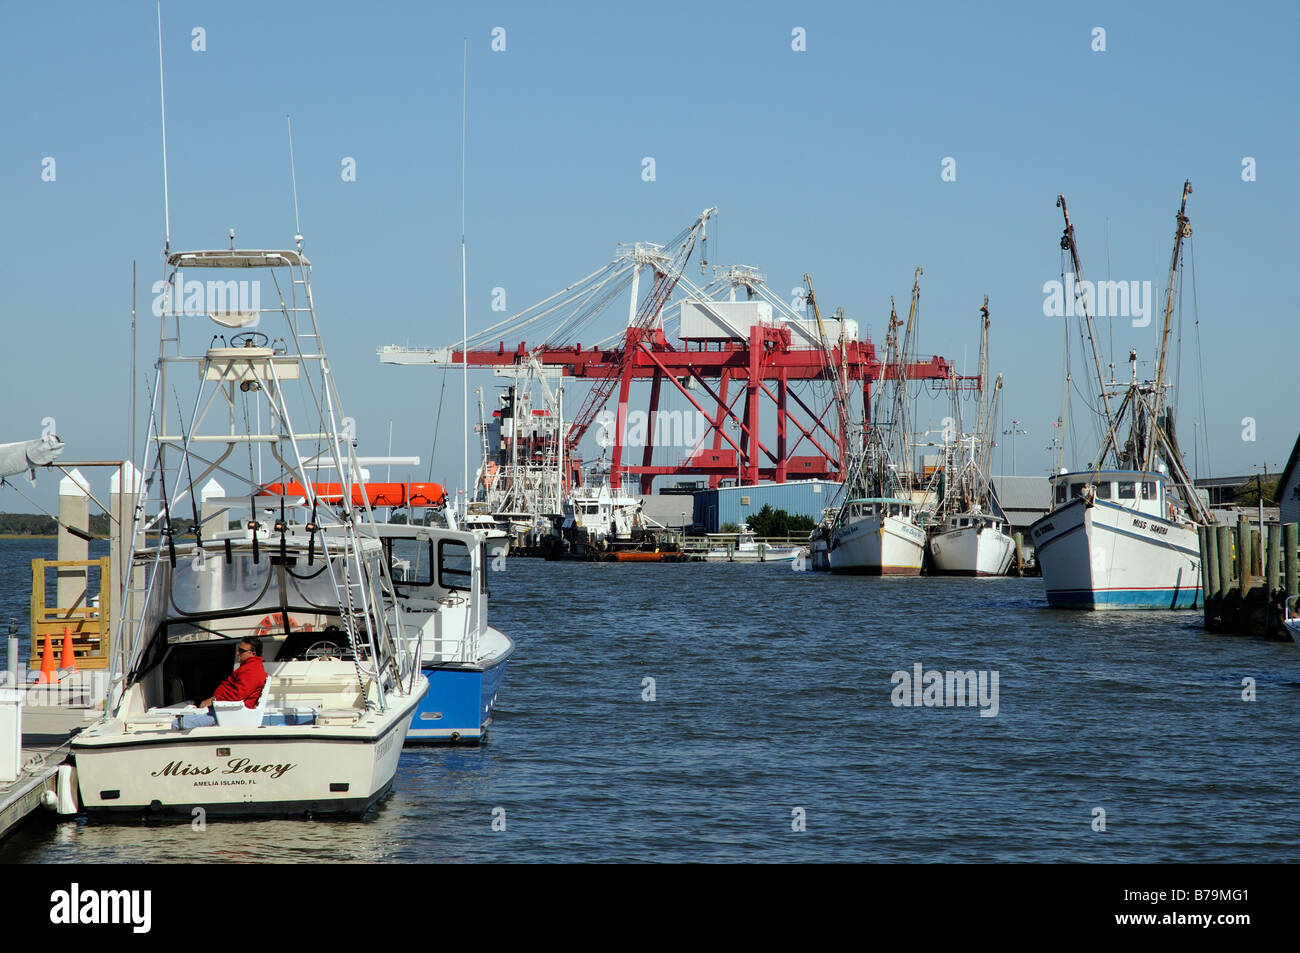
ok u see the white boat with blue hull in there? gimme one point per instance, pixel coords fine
(1122, 531)
(1117, 540)
(440, 577)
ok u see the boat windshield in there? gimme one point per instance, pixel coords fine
(210, 587)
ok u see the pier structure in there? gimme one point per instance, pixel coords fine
(1247, 574)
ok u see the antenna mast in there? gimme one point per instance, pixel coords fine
(162, 100)
(293, 175)
(464, 293)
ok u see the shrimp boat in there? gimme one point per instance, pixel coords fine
(877, 529)
(1124, 535)
(305, 572)
(970, 537)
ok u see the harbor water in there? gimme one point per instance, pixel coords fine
(733, 712)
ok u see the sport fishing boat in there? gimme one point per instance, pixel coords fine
(1291, 618)
(302, 571)
(1122, 533)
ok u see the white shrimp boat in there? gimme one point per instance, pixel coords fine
(1124, 536)
(972, 544)
(877, 530)
(970, 538)
(1116, 539)
(305, 573)
(877, 536)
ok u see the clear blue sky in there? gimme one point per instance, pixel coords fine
(826, 160)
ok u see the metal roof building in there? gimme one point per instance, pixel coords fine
(1023, 499)
(732, 504)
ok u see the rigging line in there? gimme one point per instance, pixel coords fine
(517, 321)
(437, 423)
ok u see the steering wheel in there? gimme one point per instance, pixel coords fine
(249, 339)
(323, 649)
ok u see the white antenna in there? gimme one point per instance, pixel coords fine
(162, 99)
(464, 293)
(293, 174)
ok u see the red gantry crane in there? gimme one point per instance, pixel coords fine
(734, 361)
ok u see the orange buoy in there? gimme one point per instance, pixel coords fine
(69, 660)
(48, 674)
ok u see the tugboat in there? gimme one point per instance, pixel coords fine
(606, 525)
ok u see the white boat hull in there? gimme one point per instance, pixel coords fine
(866, 546)
(1108, 556)
(268, 770)
(972, 551)
(1293, 626)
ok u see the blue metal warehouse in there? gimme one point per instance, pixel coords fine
(731, 504)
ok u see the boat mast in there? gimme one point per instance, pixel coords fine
(900, 388)
(1184, 229)
(1067, 243)
(828, 354)
(984, 362)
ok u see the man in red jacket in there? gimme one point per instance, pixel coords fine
(245, 684)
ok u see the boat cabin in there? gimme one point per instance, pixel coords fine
(882, 507)
(202, 606)
(974, 521)
(1143, 491)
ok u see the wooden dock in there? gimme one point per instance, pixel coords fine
(1247, 574)
(46, 733)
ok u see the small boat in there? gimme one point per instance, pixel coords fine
(603, 524)
(1291, 618)
(439, 577)
(744, 547)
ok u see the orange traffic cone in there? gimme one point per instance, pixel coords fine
(48, 674)
(69, 660)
